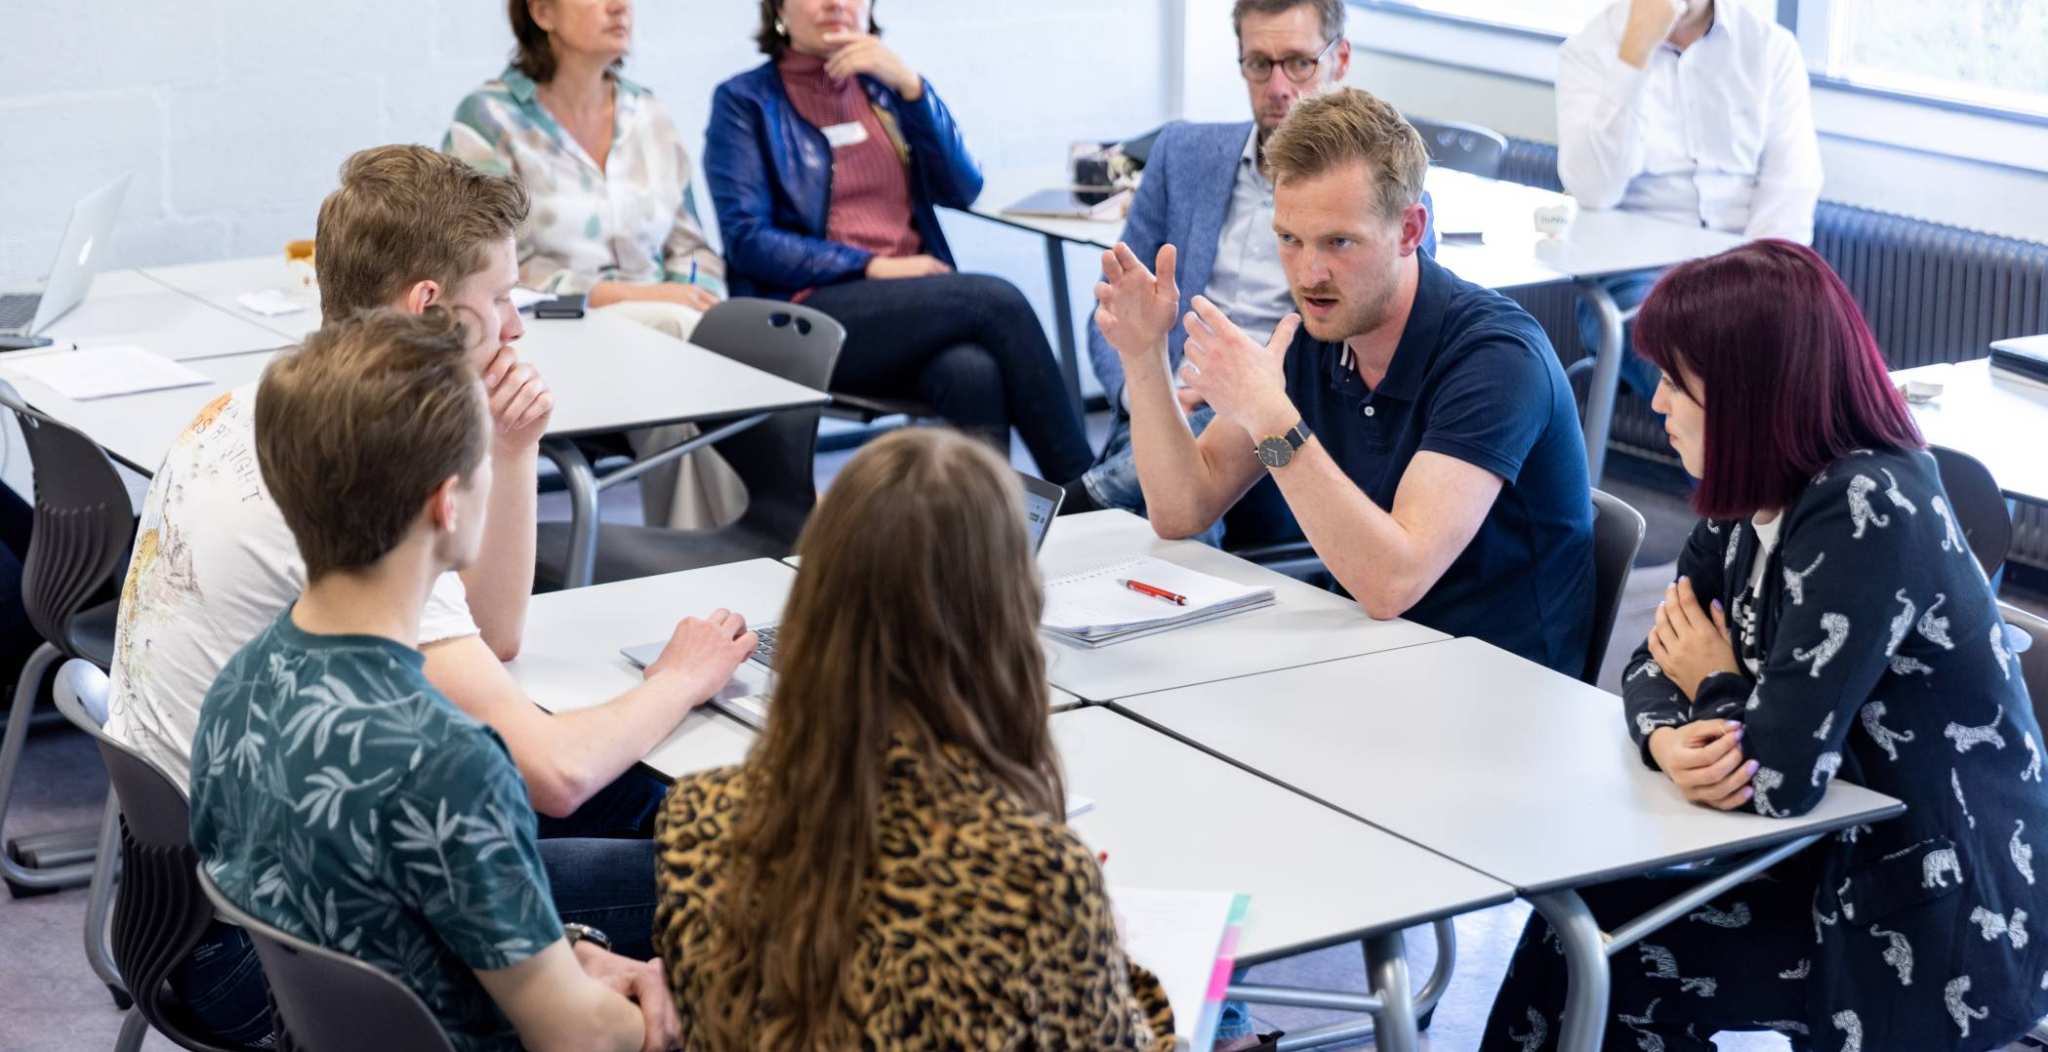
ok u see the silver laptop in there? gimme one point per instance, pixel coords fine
(1041, 505)
(86, 238)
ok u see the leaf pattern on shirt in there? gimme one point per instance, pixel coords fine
(382, 822)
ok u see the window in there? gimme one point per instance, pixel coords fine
(1557, 17)
(1986, 53)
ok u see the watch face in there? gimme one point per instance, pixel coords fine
(1275, 452)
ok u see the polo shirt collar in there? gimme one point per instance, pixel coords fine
(1419, 338)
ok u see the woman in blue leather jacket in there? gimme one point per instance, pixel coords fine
(826, 165)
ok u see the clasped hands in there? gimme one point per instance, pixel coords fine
(1703, 758)
(1244, 381)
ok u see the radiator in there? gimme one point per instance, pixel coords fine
(1932, 293)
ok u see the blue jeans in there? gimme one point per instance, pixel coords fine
(1628, 290)
(1261, 516)
(599, 864)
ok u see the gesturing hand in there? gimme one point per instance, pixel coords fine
(1134, 310)
(1245, 382)
(1688, 644)
(1704, 759)
(856, 53)
(519, 399)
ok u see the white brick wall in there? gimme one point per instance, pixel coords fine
(234, 114)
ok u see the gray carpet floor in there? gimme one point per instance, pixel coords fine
(51, 1002)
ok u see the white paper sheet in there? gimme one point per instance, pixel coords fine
(104, 372)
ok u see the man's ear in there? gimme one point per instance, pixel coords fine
(420, 296)
(443, 510)
(1340, 61)
(1414, 224)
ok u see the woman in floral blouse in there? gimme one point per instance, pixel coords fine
(613, 217)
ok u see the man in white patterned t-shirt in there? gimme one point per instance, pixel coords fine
(214, 562)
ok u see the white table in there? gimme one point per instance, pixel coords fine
(1304, 625)
(1511, 255)
(1994, 418)
(1512, 769)
(607, 375)
(138, 429)
(570, 657)
(1162, 812)
(222, 282)
(119, 310)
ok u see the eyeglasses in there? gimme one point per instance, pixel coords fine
(1299, 68)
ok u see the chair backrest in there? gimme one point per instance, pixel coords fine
(2034, 659)
(1617, 537)
(1465, 147)
(329, 1001)
(1979, 506)
(160, 913)
(83, 523)
(774, 458)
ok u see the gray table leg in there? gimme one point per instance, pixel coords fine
(1386, 967)
(1585, 959)
(1063, 318)
(583, 522)
(1606, 374)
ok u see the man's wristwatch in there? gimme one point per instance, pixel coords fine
(576, 933)
(1275, 451)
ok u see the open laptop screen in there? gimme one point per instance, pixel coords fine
(1041, 503)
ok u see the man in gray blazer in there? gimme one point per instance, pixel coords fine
(1204, 191)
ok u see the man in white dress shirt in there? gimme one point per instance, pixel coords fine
(1698, 112)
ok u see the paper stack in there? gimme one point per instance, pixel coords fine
(1188, 939)
(1097, 608)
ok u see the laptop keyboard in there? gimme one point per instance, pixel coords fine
(764, 647)
(18, 310)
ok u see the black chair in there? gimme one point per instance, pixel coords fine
(1465, 147)
(328, 1001)
(1978, 505)
(160, 913)
(69, 579)
(1617, 536)
(773, 458)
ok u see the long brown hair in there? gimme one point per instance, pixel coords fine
(915, 613)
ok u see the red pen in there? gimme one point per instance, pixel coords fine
(1156, 592)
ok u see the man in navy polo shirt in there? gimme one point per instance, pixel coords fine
(1418, 425)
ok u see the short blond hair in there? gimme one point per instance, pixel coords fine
(405, 214)
(1347, 125)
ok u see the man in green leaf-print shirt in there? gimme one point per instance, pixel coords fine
(336, 794)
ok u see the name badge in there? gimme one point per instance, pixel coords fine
(852, 133)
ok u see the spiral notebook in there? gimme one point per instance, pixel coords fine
(1098, 608)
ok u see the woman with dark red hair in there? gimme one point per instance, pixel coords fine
(1827, 620)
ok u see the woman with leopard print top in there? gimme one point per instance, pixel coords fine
(890, 868)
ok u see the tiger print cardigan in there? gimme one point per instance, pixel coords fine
(1882, 660)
